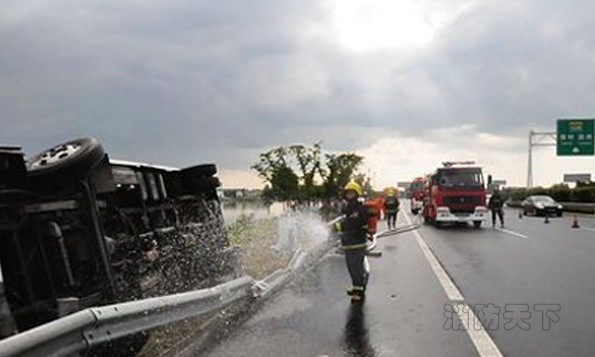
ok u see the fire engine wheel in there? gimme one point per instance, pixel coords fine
(73, 159)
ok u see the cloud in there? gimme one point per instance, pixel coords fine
(190, 81)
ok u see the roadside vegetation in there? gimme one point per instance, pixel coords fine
(256, 237)
(573, 198)
(307, 173)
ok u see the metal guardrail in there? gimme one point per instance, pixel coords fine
(95, 326)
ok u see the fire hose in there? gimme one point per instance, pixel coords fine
(373, 238)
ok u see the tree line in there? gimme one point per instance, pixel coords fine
(307, 173)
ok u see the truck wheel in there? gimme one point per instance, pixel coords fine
(206, 170)
(198, 185)
(477, 224)
(199, 178)
(71, 160)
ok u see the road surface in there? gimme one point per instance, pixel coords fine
(529, 290)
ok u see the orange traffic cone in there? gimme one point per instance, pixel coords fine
(574, 222)
(520, 214)
(547, 218)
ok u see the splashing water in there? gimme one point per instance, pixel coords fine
(304, 230)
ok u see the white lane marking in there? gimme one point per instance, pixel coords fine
(484, 344)
(503, 230)
(482, 341)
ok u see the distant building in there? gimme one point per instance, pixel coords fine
(239, 193)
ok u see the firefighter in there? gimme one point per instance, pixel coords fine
(391, 207)
(495, 206)
(353, 240)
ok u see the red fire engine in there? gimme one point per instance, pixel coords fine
(455, 193)
(416, 190)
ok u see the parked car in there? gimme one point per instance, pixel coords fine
(541, 205)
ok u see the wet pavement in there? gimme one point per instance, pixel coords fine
(530, 275)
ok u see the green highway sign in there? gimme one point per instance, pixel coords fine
(575, 137)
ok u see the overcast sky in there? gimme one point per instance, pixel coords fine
(407, 84)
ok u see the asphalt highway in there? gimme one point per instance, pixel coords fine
(525, 290)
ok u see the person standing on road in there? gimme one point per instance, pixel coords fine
(353, 240)
(496, 203)
(391, 207)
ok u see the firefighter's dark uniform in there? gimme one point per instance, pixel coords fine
(495, 206)
(391, 207)
(354, 239)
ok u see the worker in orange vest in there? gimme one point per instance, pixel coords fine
(375, 208)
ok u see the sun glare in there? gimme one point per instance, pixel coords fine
(369, 25)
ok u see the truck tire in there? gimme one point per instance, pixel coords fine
(66, 162)
(477, 224)
(206, 170)
(199, 185)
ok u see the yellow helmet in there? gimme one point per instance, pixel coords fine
(352, 185)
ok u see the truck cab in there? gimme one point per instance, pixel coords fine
(456, 194)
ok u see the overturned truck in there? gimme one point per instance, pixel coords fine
(79, 230)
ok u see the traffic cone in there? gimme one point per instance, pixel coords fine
(520, 214)
(574, 222)
(547, 218)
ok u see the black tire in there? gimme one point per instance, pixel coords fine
(559, 214)
(477, 224)
(203, 184)
(199, 178)
(211, 195)
(206, 170)
(66, 162)
(174, 185)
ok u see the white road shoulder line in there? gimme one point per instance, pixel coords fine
(482, 341)
(454, 295)
(511, 233)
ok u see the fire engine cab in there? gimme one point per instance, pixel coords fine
(456, 194)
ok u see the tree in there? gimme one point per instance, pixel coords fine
(308, 162)
(298, 172)
(274, 168)
(338, 172)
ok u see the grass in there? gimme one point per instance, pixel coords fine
(255, 238)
